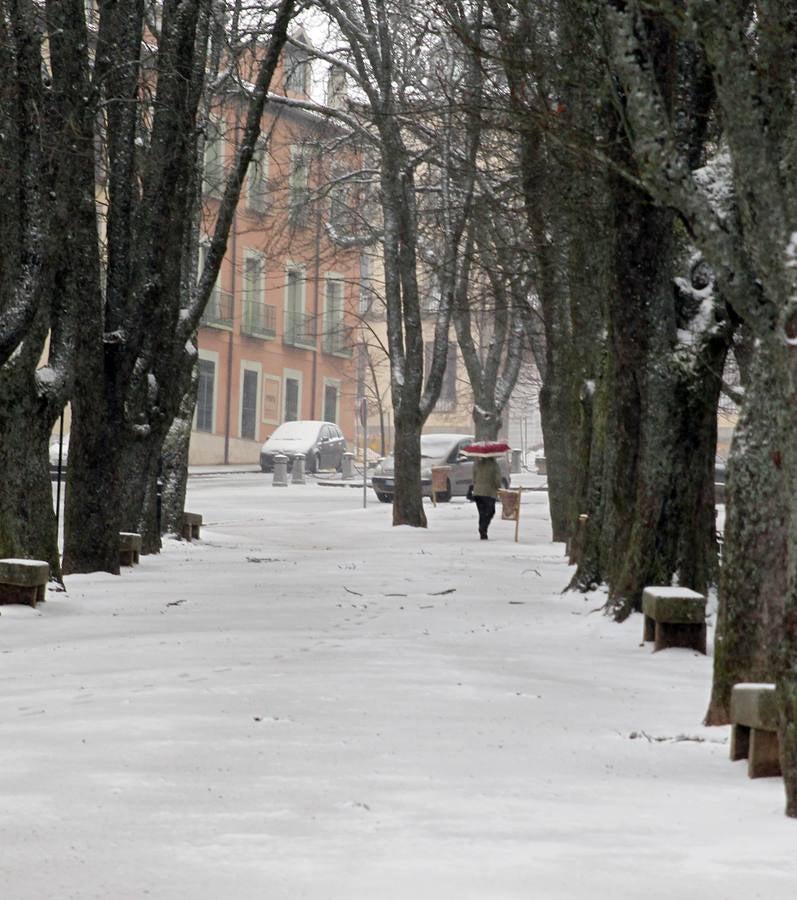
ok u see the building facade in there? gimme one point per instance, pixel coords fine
(276, 340)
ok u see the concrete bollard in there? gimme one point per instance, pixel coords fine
(297, 472)
(347, 466)
(280, 471)
(516, 455)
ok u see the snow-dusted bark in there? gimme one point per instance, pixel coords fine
(618, 395)
(50, 267)
(135, 368)
(174, 471)
(748, 48)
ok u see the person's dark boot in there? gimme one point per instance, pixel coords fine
(483, 535)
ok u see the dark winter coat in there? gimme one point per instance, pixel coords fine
(486, 478)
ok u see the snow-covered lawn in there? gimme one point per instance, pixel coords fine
(309, 703)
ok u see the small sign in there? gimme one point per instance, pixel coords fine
(439, 481)
(510, 507)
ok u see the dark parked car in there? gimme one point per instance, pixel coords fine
(322, 443)
(436, 450)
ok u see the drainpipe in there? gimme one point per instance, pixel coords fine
(316, 294)
(228, 413)
(234, 252)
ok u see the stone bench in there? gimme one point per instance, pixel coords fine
(754, 728)
(674, 617)
(129, 548)
(192, 522)
(23, 581)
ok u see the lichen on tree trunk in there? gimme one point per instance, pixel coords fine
(754, 576)
(175, 462)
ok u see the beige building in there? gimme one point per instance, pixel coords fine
(277, 338)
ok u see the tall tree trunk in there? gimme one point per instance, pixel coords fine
(755, 565)
(658, 452)
(556, 410)
(50, 268)
(27, 518)
(175, 462)
(557, 433)
(408, 504)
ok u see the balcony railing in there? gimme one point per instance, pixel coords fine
(218, 312)
(300, 331)
(259, 320)
(445, 404)
(338, 340)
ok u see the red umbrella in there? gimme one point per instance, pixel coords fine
(487, 448)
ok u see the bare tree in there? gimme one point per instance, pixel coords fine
(135, 362)
(382, 46)
(751, 248)
(49, 269)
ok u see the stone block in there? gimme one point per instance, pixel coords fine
(674, 604)
(23, 581)
(754, 724)
(129, 548)
(192, 522)
(754, 705)
(674, 617)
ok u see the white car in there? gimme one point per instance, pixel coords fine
(54, 445)
(437, 450)
(322, 444)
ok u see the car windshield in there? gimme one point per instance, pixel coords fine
(434, 446)
(297, 431)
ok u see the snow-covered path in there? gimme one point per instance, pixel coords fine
(309, 703)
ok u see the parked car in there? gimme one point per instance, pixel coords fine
(54, 445)
(322, 443)
(437, 450)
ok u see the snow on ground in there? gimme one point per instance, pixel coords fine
(309, 703)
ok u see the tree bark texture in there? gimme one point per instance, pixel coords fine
(50, 266)
(135, 365)
(27, 519)
(756, 548)
(175, 462)
(408, 504)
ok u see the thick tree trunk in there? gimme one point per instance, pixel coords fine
(591, 533)
(94, 504)
(662, 395)
(557, 432)
(142, 499)
(175, 463)
(27, 519)
(754, 575)
(486, 418)
(50, 264)
(408, 503)
(697, 395)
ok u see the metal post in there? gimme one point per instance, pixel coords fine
(159, 495)
(364, 423)
(58, 475)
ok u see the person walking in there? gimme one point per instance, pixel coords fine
(486, 484)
